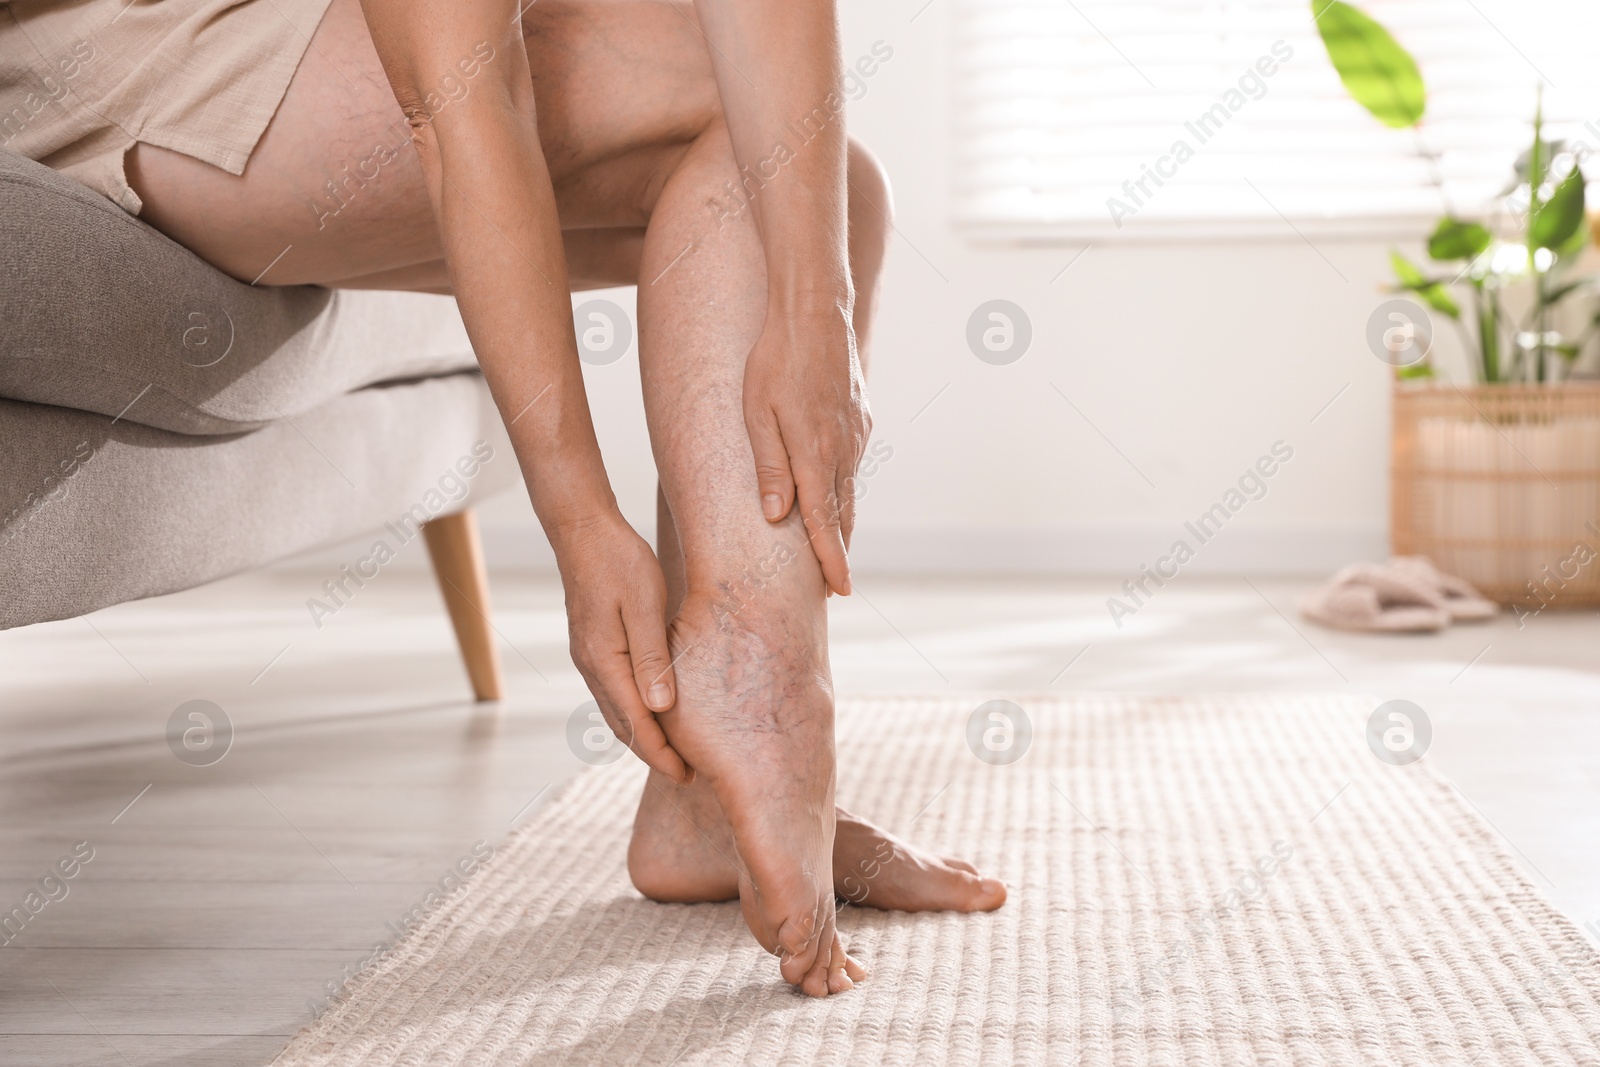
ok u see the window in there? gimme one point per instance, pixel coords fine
(1084, 119)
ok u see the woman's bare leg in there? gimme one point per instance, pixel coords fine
(754, 714)
(682, 843)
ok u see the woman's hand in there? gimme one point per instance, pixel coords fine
(616, 606)
(805, 406)
(491, 192)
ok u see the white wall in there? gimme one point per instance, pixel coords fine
(1191, 358)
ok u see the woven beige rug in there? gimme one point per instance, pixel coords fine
(1194, 881)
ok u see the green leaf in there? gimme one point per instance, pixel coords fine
(1409, 273)
(1432, 293)
(1415, 370)
(1557, 219)
(1454, 239)
(1563, 290)
(1439, 299)
(1577, 242)
(1379, 74)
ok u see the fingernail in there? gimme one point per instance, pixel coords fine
(688, 776)
(772, 506)
(660, 695)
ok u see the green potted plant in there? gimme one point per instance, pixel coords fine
(1496, 478)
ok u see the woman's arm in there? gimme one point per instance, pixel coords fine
(777, 66)
(496, 211)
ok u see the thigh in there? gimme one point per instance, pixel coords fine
(333, 191)
(596, 259)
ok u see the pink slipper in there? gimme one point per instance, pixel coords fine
(1371, 596)
(1464, 603)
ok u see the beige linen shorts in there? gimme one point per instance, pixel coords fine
(82, 80)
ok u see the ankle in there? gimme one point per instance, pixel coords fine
(768, 601)
(764, 577)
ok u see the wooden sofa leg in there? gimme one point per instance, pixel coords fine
(458, 562)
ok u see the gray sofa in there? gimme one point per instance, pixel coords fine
(163, 425)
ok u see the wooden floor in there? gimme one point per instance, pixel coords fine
(221, 900)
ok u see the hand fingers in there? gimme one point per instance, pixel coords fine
(652, 662)
(643, 734)
(820, 509)
(774, 477)
(850, 483)
(846, 492)
(620, 680)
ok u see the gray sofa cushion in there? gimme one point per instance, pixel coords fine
(100, 312)
(96, 511)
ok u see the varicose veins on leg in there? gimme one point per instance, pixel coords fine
(755, 707)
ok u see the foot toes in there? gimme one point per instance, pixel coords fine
(969, 892)
(800, 953)
(993, 894)
(839, 980)
(818, 981)
(910, 879)
(796, 967)
(815, 982)
(957, 887)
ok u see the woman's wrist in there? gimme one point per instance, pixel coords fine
(809, 295)
(808, 267)
(582, 544)
(579, 521)
(812, 330)
(570, 491)
(811, 313)
(561, 464)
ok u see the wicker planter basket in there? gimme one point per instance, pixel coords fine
(1501, 485)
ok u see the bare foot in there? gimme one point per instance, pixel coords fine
(875, 869)
(682, 847)
(754, 718)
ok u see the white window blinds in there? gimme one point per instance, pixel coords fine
(1235, 120)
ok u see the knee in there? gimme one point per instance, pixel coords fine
(871, 199)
